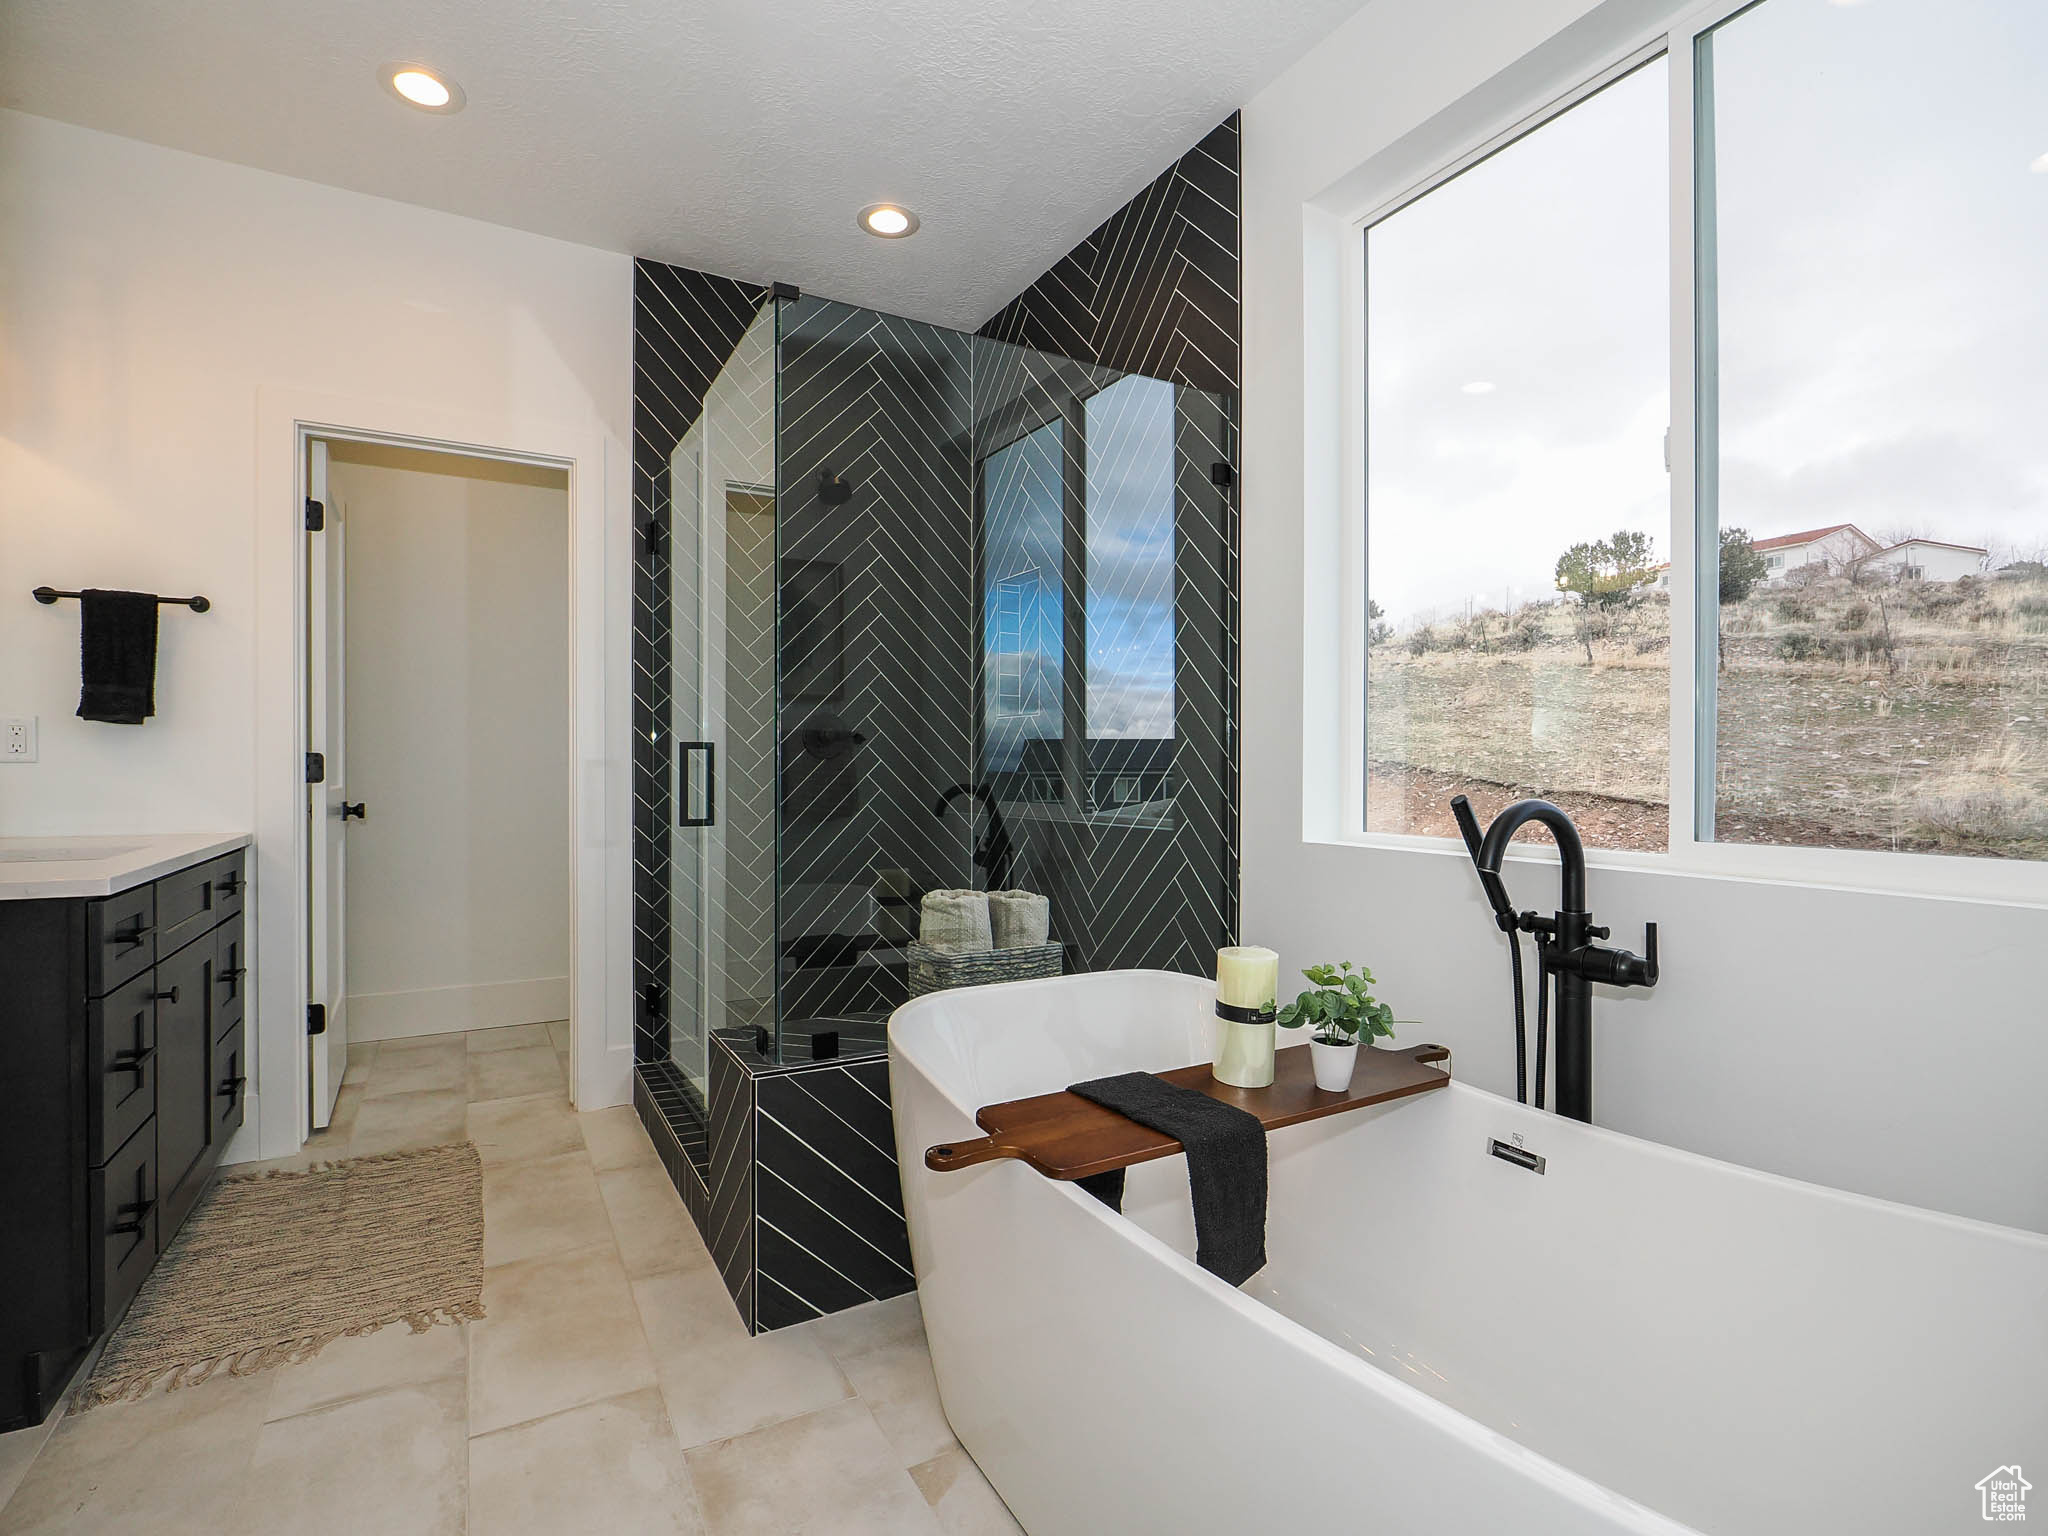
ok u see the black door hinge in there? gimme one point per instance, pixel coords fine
(316, 767)
(316, 515)
(788, 291)
(1221, 473)
(316, 1018)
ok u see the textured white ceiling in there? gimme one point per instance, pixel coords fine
(736, 137)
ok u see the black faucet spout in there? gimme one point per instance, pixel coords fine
(1494, 846)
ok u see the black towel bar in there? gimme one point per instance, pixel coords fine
(196, 604)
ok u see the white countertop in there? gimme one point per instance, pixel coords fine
(40, 868)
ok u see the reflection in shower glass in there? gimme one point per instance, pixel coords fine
(1130, 571)
(1021, 502)
(1105, 604)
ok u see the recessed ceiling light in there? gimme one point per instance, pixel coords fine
(888, 221)
(2040, 165)
(1479, 387)
(418, 86)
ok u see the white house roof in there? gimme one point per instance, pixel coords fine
(1811, 536)
(1968, 549)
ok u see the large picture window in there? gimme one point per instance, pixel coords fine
(1873, 382)
(1518, 374)
(1853, 567)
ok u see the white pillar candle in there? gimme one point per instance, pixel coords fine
(1247, 984)
(1247, 976)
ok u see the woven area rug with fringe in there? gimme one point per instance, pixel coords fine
(273, 1267)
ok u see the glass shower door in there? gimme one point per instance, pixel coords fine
(722, 725)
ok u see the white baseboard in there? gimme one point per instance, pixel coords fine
(448, 1010)
(242, 1147)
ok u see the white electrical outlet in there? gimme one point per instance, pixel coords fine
(17, 739)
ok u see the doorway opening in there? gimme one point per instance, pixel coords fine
(439, 721)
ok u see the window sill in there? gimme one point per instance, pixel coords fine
(1934, 877)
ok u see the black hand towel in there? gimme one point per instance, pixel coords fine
(117, 660)
(1226, 1166)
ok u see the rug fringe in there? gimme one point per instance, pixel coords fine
(263, 1357)
(403, 1155)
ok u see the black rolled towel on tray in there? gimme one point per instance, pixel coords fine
(1226, 1150)
(117, 656)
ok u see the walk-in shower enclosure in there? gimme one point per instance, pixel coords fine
(915, 609)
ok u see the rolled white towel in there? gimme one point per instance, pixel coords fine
(956, 922)
(1018, 919)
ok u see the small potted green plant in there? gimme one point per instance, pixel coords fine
(1342, 1011)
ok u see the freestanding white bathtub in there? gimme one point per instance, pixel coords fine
(1636, 1339)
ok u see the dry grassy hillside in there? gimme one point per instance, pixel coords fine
(1863, 715)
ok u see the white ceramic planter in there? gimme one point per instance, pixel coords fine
(1333, 1064)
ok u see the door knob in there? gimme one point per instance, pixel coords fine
(357, 810)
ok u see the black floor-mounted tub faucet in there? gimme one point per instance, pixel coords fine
(1565, 949)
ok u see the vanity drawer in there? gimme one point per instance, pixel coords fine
(229, 886)
(120, 938)
(122, 1030)
(186, 907)
(230, 1084)
(230, 974)
(124, 1226)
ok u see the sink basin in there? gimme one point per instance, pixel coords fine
(66, 853)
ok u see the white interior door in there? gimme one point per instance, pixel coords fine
(327, 807)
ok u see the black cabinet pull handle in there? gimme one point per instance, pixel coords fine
(161, 997)
(232, 974)
(132, 1061)
(137, 1214)
(358, 810)
(231, 1087)
(133, 937)
(230, 885)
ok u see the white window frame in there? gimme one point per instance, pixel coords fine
(1380, 188)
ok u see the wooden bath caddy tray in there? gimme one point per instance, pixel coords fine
(1065, 1136)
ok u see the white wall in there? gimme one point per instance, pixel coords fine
(457, 740)
(1889, 1044)
(146, 298)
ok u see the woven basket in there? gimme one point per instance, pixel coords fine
(934, 970)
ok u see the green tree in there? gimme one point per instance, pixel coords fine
(1606, 577)
(1607, 572)
(1741, 566)
(1379, 631)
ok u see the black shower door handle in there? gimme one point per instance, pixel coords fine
(686, 779)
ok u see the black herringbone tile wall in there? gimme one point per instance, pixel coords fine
(876, 673)
(1155, 289)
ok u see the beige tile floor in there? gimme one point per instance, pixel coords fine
(609, 1390)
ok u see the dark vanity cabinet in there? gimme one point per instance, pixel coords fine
(122, 1076)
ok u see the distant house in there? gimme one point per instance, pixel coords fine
(1838, 547)
(1931, 560)
(1843, 547)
